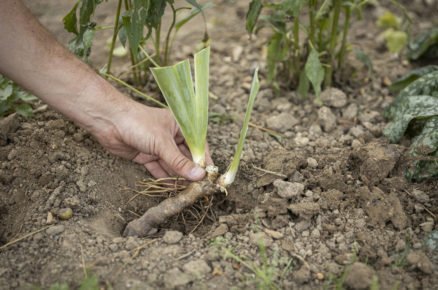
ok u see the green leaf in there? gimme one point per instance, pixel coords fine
(24, 110)
(426, 85)
(424, 145)
(409, 109)
(388, 20)
(395, 40)
(230, 175)
(6, 92)
(314, 71)
(255, 7)
(426, 45)
(70, 20)
(190, 109)
(277, 52)
(410, 77)
(364, 58)
(324, 10)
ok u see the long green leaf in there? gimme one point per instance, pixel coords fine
(189, 109)
(230, 175)
(314, 71)
(255, 7)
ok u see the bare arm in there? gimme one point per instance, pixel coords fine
(31, 56)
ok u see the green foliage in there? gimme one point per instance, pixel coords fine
(424, 46)
(415, 112)
(137, 25)
(14, 99)
(189, 106)
(318, 54)
(388, 20)
(410, 77)
(395, 40)
(314, 71)
(395, 29)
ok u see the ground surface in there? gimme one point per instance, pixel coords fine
(345, 214)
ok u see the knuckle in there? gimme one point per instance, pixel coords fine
(179, 163)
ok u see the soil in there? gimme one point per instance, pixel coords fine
(335, 209)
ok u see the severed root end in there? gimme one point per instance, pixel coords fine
(147, 224)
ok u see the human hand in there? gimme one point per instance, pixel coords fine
(150, 136)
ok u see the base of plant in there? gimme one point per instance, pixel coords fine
(147, 224)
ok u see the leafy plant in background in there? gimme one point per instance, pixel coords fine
(136, 23)
(424, 46)
(304, 61)
(414, 112)
(394, 34)
(14, 99)
(188, 103)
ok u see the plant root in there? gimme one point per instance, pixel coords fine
(147, 224)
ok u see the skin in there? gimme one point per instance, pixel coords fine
(30, 56)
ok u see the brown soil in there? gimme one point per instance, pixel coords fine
(346, 216)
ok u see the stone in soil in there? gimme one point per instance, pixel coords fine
(333, 97)
(175, 278)
(359, 276)
(288, 189)
(221, 230)
(55, 230)
(326, 119)
(197, 268)
(260, 238)
(419, 260)
(305, 209)
(282, 122)
(172, 237)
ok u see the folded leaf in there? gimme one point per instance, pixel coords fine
(190, 109)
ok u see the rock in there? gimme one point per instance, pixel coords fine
(131, 244)
(113, 247)
(333, 97)
(288, 189)
(357, 131)
(301, 141)
(427, 226)
(50, 219)
(172, 237)
(326, 119)
(260, 238)
(197, 268)
(8, 125)
(237, 52)
(359, 276)
(376, 161)
(420, 196)
(311, 162)
(282, 122)
(400, 245)
(175, 278)
(302, 275)
(302, 225)
(221, 230)
(274, 234)
(419, 260)
(280, 161)
(65, 213)
(305, 209)
(72, 202)
(55, 230)
(368, 116)
(350, 113)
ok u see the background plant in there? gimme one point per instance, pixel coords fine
(297, 61)
(14, 99)
(137, 23)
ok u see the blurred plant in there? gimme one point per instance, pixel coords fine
(424, 46)
(414, 113)
(14, 99)
(129, 27)
(394, 33)
(304, 61)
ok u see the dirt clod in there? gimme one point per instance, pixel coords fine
(359, 276)
(172, 237)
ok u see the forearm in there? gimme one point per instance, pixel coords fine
(31, 56)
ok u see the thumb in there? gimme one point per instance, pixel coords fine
(179, 163)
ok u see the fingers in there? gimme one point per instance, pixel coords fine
(156, 170)
(180, 164)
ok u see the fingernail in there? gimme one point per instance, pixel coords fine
(196, 173)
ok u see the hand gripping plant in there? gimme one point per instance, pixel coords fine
(189, 105)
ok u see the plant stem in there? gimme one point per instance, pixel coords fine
(169, 32)
(157, 41)
(113, 41)
(147, 97)
(333, 38)
(131, 55)
(312, 8)
(342, 52)
(296, 35)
